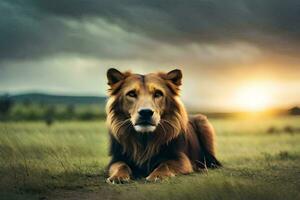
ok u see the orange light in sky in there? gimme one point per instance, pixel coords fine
(253, 97)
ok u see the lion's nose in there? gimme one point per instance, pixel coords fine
(146, 113)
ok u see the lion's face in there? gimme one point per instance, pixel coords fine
(143, 98)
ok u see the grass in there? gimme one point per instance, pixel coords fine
(68, 160)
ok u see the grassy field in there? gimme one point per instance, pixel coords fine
(67, 160)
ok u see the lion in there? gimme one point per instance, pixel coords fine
(151, 134)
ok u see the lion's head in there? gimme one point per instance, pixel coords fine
(145, 104)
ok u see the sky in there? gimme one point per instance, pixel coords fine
(234, 54)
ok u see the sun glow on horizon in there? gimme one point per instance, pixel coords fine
(253, 97)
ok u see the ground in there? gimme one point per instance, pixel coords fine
(261, 159)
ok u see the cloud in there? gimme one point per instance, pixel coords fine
(268, 22)
(66, 46)
(136, 29)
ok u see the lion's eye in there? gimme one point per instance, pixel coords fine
(158, 94)
(132, 94)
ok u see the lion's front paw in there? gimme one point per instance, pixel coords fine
(159, 174)
(119, 172)
(119, 178)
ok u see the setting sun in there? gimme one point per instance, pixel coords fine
(253, 97)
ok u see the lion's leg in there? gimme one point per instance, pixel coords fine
(171, 168)
(119, 172)
(206, 136)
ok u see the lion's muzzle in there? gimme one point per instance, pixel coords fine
(145, 121)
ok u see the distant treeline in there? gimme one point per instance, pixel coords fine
(50, 108)
(39, 107)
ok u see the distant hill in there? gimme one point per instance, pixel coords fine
(57, 99)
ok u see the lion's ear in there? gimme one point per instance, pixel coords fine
(175, 76)
(114, 76)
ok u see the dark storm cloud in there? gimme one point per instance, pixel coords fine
(40, 28)
(30, 32)
(24, 31)
(215, 20)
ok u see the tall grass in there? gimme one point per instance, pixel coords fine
(70, 158)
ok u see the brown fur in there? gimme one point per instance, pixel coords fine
(170, 118)
(119, 172)
(171, 168)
